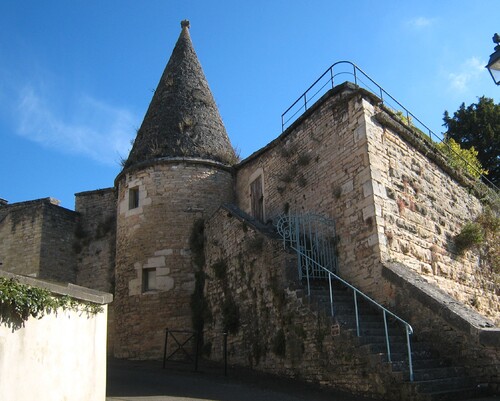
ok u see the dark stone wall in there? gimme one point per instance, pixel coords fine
(251, 285)
(36, 239)
(95, 239)
(57, 257)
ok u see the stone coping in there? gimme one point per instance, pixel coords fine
(171, 160)
(256, 225)
(40, 201)
(95, 191)
(455, 313)
(51, 202)
(72, 290)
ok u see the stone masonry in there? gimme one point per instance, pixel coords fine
(36, 239)
(154, 236)
(95, 239)
(320, 165)
(419, 209)
(252, 292)
(389, 201)
(396, 204)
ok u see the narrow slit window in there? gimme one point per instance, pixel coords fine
(149, 280)
(133, 198)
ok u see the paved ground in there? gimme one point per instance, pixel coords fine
(147, 381)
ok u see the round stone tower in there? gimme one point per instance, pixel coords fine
(178, 171)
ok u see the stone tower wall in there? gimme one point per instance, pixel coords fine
(95, 239)
(173, 194)
(36, 239)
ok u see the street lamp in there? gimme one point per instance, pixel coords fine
(493, 65)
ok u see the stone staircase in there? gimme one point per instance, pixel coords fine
(435, 377)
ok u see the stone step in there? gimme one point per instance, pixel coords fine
(366, 321)
(400, 363)
(431, 373)
(417, 349)
(378, 330)
(335, 292)
(452, 394)
(434, 378)
(444, 386)
(381, 339)
(347, 311)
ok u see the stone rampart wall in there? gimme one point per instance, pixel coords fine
(251, 290)
(320, 165)
(95, 239)
(420, 209)
(20, 238)
(36, 239)
(389, 199)
(57, 256)
(464, 336)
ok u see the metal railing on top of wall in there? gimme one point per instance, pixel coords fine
(336, 74)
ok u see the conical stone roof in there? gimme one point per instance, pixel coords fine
(182, 119)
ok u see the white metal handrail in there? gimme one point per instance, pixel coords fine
(289, 228)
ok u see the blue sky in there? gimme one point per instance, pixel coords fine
(76, 77)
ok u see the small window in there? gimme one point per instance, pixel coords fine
(133, 198)
(149, 280)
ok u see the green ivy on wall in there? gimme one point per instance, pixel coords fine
(20, 301)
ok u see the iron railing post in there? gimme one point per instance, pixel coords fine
(225, 354)
(197, 350)
(410, 362)
(165, 348)
(304, 238)
(297, 236)
(356, 310)
(387, 338)
(331, 293)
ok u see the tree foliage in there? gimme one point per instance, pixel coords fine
(478, 126)
(462, 159)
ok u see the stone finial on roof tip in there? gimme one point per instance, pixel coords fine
(185, 23)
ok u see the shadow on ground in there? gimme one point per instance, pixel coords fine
(146, 380)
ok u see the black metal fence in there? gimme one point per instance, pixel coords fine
(185, 346)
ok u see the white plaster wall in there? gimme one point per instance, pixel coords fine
(58, 357)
